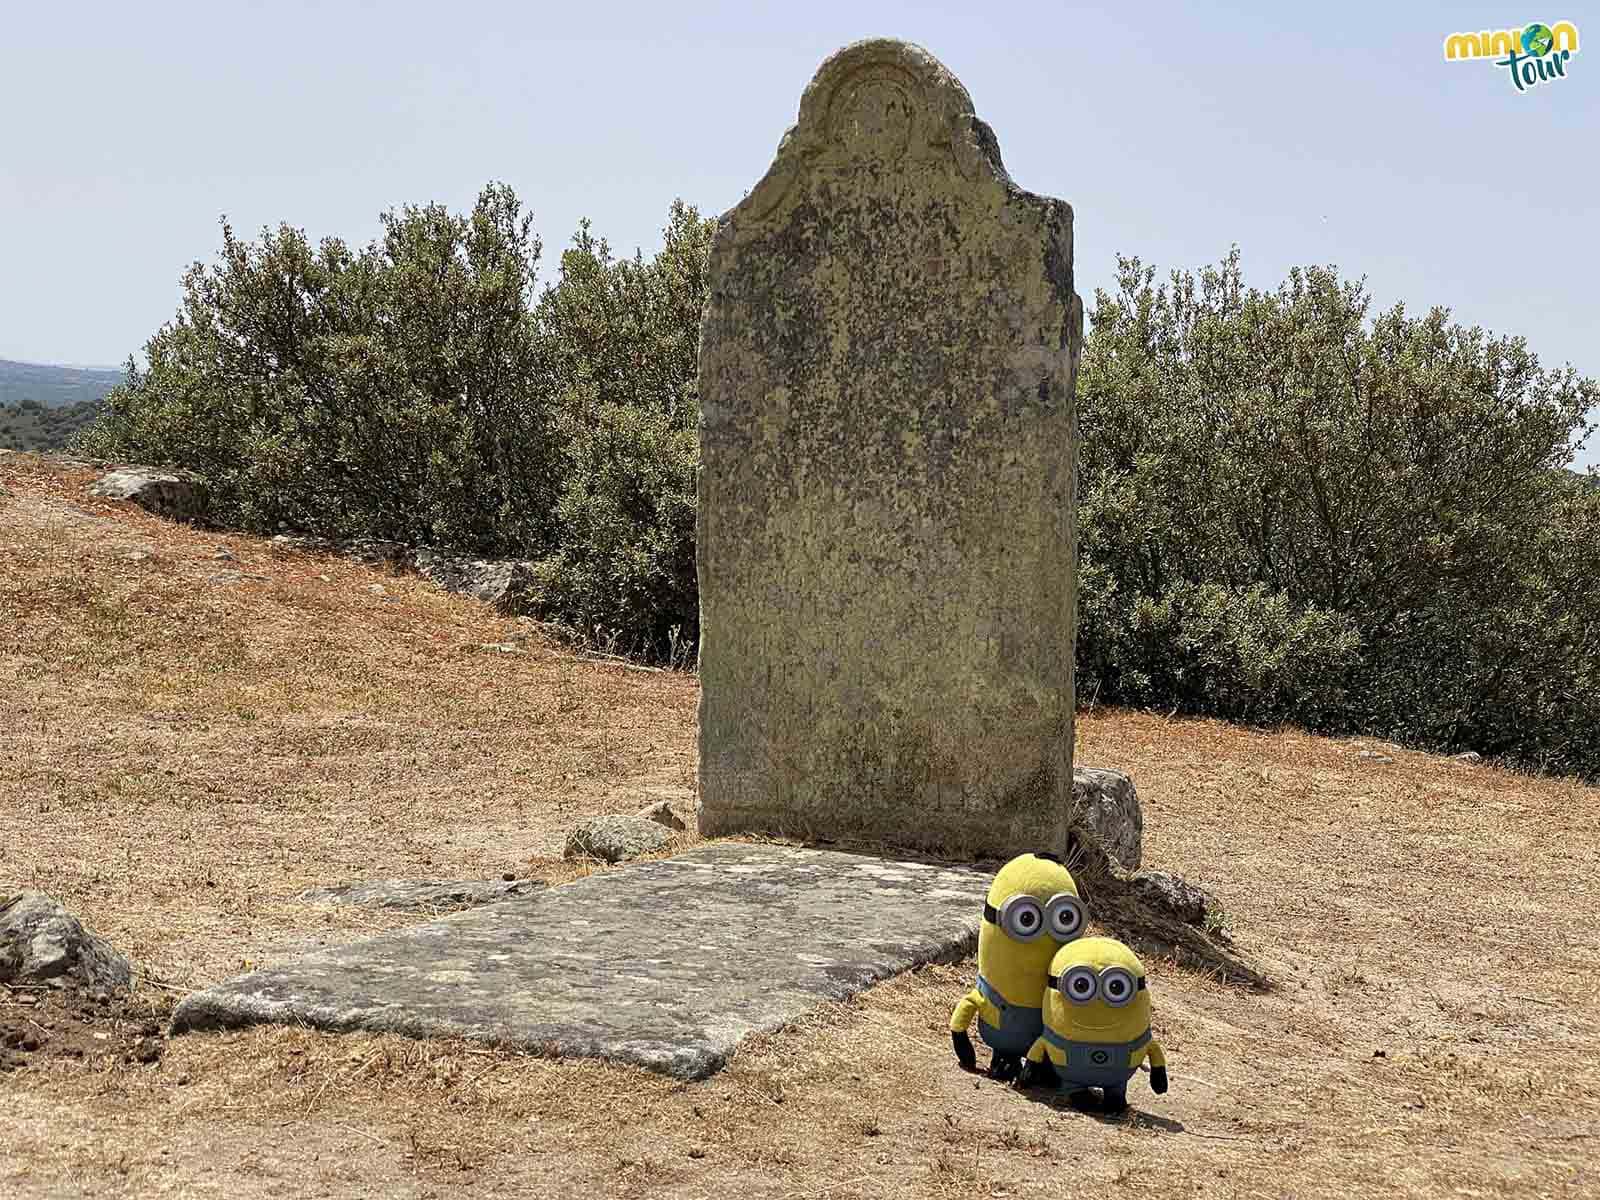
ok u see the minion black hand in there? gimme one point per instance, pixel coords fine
(964, 1052)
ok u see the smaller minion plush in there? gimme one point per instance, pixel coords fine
(1031, 909)
(1096, 1024)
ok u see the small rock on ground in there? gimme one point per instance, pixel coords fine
(161, 492)
(41, 942)
(1105, 804)
(616, 838)
(1175, 894)
(662, 814)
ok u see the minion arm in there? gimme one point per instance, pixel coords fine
(970, 1007)
(1158, 1067)
(1041, 1049)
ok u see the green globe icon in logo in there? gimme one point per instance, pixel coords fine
(1537, 40)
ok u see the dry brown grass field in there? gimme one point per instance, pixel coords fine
(195, 726)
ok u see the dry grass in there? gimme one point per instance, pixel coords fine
(180, 755)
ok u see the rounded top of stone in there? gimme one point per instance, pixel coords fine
(883, 103)
(939, 89)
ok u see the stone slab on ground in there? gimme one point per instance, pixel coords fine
(667, 965)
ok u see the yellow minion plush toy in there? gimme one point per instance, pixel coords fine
(1096, 1024)
(1032, 909)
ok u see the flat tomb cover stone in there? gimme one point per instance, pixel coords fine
(886, 523)
(665, 965)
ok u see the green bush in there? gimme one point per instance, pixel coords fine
(1206, 649)
(417, 391)
(1290, 511)
(393, 392)
(31, 425)
(621, 341)
(624, 574)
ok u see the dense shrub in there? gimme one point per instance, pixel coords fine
(417, 390)
(621, 339)
(1290, 511)
(624, 574)
(1207, 649)
(394, 391)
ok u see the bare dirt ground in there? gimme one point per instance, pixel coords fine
(188, 740)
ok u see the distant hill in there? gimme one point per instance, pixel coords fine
(32, 426)
(54, 387)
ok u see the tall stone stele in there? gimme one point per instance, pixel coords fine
(887, 532)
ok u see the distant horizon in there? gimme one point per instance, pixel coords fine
(62, 366)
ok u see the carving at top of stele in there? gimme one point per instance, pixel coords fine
(877, 104)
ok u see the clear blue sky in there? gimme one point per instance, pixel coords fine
(1307, 134)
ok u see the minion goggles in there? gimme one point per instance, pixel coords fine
(1023, 918)
(1117, 986)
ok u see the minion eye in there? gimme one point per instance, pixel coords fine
(1065, 916)
(1022, 918)
(1079, 985)
(1117, 987)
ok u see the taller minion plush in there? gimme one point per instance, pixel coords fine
(1031, 911)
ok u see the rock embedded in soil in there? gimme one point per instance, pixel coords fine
(661, 813)
(41, 942)
(667, 965)
(509, 585)
(1106, 804)
(1176, 895)
(163, 493)
(423, 893)
(615, 839)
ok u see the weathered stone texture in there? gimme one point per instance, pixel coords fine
(886, 514)
(422, 894)
(166, 494)
(1105, 805)
(666, 965)
(616, 838)
(41, 942)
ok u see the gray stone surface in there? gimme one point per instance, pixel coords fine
(41, 942)
(1106, 805)
(368, 551)
(616, 838)
(666, 965)
(510, 586)
(423, 893)
(1175, 895)
(886, 537)
(161, 492)
(662, 813)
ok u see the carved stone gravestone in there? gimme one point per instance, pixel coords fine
(887, 530)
